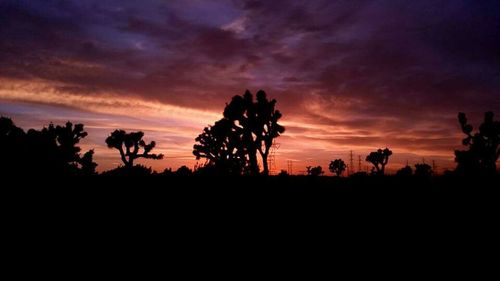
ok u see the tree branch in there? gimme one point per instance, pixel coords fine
(122, 155)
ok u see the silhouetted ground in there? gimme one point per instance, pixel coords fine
(196, 215)
(273, 191)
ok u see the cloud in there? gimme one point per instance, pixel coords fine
(345, 73)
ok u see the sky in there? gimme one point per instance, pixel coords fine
(347, 75)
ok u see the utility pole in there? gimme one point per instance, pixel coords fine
(359, 163)
(289, 166)
(272, 158)
(351, 166)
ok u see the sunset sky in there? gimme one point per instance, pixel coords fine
(347, 75)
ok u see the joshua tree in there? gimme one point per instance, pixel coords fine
(314, 171)
(52, 150)
(267, 128)
(241, 114)
(484, 150)
(379, 159)
(248, 127)
(221, 145)
(259, 123)
(337, 167)
(67, 137)
(129, 144)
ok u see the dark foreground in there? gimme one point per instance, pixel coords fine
(198, 216)
(235, 192)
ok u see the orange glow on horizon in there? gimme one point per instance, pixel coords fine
(174, 128)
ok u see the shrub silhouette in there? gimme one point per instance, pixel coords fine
(358, 175)
(248, 127)
(337, 167)
(483, 146)
(210, 170)
(133, 171)
(379, 159)
(183, 171)
(423, 170)
(50, 151)
(314, 171)
(167, 172)
(283, 173)
(129, 146)
(406, 171)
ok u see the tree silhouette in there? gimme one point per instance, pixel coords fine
(337, 167)
(406, 171)
(240, 109)
(259, 123)
(483, 146)
(50, 151)
(56, 147)
(88, 166)
(314, 171)
(248, 127)
(9, 131)
(267, 128)
(221, 145)
(12, 146)
(129, 146)
(379, 159)
(423, 170)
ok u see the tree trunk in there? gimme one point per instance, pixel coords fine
(252, 153)
(265, 164)
(254, 166)
(124, 159)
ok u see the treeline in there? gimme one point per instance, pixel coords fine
(50, 151)
(233, 145)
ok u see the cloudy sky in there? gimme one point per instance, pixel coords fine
(348, 75)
